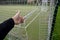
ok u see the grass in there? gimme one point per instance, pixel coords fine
(56, 34)
(37, 30)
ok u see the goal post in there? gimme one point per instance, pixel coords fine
(54, 19)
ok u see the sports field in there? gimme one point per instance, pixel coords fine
(36, 25)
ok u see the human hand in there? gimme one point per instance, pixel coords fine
(17, 18)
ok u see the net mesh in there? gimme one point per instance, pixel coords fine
(38, 16)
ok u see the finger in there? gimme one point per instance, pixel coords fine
(22, 19)
(18, 13)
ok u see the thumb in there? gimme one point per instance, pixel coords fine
(18, 13)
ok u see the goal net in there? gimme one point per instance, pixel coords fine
(38, 15)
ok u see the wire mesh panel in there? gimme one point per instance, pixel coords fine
(38, 15)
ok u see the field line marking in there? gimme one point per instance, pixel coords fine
(29, 14)
(32, 20)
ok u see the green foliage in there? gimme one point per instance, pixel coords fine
(56, 34)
